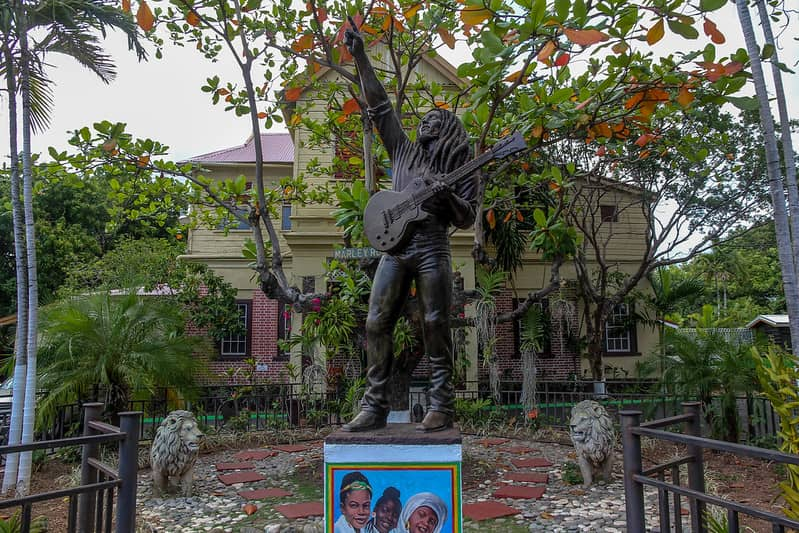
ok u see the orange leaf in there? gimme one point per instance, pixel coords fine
(644, 139)
(126, 6)
(144, 17)
(733, 67)
(341, 119)
(296, 120)
(192, 18)
(474, 15)
(293, 94)
(249, 509)
(411, 11)
(321, 14)
(655, 33)
(262, 114)
(562, 60)
(350, 106)
(514, 76)
(143, 160)
(646, 110)
(585, 37)
(519, 216)
(303, 43)
(538, 130)
(634, 100)
(657, 95)
(447, 37)
(546, 51)
(603, 129)
(710, 27)
(442, 105)
(620, 48)
(718, 38)
(507, 217)
(491, 218)
(685, 97)
(222, 91)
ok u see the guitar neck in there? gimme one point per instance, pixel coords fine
(456, 175)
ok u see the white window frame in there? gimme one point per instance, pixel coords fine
(236, 345)
(618, 334)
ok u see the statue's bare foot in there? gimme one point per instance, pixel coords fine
(365, 421)
(435, 421)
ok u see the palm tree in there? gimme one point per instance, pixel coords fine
(702, 363)
(785, 244)
(120, 343)
(69, 26)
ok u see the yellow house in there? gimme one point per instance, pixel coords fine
(308, 237)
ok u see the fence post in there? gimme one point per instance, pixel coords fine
(128, 471)
(88, 475)
(633, 490)
(696, 469)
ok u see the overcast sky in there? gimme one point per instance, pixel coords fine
(162, 100)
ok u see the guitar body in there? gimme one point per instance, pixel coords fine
(390, 217)
(387, 224)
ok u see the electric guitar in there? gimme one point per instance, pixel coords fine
(390, 216)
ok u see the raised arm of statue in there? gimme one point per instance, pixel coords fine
(380, 108)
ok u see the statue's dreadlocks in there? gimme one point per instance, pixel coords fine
(451, 150)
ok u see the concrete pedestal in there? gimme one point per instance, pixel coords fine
(424, 467)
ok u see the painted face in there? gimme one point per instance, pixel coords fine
(356, 508)
(422, 520)
(429, 127)
(386, 516)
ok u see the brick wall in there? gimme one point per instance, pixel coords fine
(563, 361)
(263, 348)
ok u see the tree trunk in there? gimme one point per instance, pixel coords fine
(785, 130)
(20, 342)
(784, 241)
(29, 412)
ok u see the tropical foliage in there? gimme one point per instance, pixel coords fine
(121, 343)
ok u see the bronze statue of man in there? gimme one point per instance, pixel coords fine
(441, 146)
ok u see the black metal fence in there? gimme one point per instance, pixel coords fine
(276, 406)
(91, 504)
(667, 480)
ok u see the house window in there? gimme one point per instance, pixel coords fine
(620, 332)
(285, 217)
(283, 330)
(230, 222)
(238, 344)
(609, 213)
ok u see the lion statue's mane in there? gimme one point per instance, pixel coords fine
(591, 430)
(174, 451)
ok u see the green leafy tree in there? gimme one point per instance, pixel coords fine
(123, 343)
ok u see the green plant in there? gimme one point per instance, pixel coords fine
(13, 524)
(471, 412)
(352, 398)
(239, 423)
(571, 474)
(778, 375)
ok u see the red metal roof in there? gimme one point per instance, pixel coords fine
(277, 147)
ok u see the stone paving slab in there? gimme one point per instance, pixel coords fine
(519, 493)
(301, 510)
(532, 462)
(527, 477)
(488, 510)
(244, 465)
(254, 455)
(246, 476)
(291, 448)
(260, 494)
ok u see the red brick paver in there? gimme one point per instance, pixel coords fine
(301, 510)
(532, 462)
(527, 477)
(291, 448)
(493, 441)
(520, 450)
(260, 494)
(519, 493)
(246, 476)
(487, 510)
(245, 465)
(254, 455)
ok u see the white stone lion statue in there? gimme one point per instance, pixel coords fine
(591, 431)
(174, 451)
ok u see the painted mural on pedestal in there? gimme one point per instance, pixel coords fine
(393, 498)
